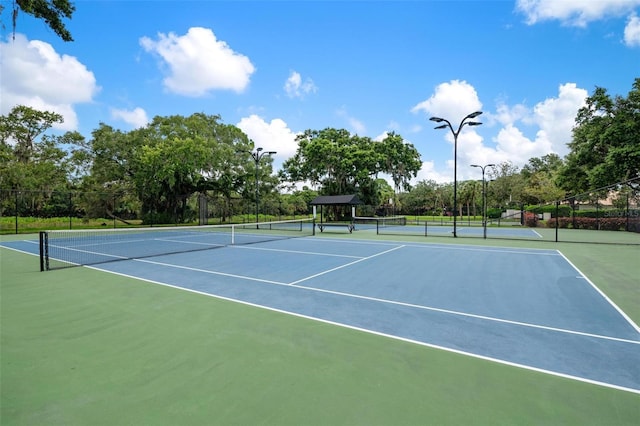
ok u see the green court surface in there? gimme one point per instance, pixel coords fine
(83, 347)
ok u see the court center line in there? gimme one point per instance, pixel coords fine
(345, 265)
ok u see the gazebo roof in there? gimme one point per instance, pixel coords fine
(336, 200)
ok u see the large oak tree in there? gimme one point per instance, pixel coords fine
(605, 148)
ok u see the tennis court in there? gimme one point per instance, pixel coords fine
(529, 308)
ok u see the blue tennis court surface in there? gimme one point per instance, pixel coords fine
(523, 307)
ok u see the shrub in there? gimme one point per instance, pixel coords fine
(530, 219)
(605, 224)
(494, 213)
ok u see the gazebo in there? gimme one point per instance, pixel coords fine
(335, 200)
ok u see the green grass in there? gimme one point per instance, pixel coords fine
(82, 347)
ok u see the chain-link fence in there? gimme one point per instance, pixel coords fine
(605, 215)
(31, 211)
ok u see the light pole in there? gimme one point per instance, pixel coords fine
(455, 154)
(484, 197)
(257, 156)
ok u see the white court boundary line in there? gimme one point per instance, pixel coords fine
(595, 287)
(395, 246)
(364, 330)
(470, 354)
(387, 301)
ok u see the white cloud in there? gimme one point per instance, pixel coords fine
(573, 12)
(429, 172)
(553, 119)
(506, 114)
(357, 126)
(454, 99)
(136, 117)
(35, 75)
(381, 136)
(556, 116)
(198, 62)
(295, 88)
(272, 136)
(632, 31)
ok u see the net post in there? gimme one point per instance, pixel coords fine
(313, 223)
(44, 251)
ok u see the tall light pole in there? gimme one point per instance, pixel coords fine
(455, 155)
(257, 156)
(484, 197)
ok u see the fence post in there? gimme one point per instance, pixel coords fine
(16, 211)
(628, 215)
(557, 218)
(70, 211)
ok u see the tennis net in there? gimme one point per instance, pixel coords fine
(379, 223)
(64, 248)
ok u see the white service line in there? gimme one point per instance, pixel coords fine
(345, 265)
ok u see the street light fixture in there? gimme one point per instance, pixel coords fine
(455, 154)
(484, 197)
(257, 155)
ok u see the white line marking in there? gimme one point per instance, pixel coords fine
(392, 302)
(364, 330)
(84, 251)
(296, 251)
(345, 265)
(206, 271)
(611, 302)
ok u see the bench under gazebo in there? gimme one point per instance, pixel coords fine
(335, 201)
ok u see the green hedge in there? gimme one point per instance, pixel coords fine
(565, 210)
(605, 224)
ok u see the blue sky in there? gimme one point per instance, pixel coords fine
(277, 68)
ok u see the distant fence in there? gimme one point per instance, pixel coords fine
(30, 211)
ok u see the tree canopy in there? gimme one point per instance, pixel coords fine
(343, 163)
(52, 12)
(605, 148)
(30, 158)
(161, 166)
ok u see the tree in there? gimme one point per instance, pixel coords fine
(401, 160)
(171, 159)
(343, 163)
(505, 185)
(604, 148)
(31, 160)
(422, 198)
(386, 195)
(539, 176)
(23, 126)
(549, 163)
(333, 159)
(469, 194)
(52, 12)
